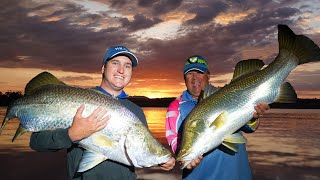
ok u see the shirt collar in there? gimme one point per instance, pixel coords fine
(186, 96)
(122, 95)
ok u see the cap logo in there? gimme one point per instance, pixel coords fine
(196, 59)
(119, 48)
(193, 59)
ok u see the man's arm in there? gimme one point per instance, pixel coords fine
(54, 140)
(171, 124)
(50, 140)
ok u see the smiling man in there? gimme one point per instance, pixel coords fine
(116, 71)
(216, 164)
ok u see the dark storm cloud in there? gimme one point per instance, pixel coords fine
(139, 22)
(74, 42)
(165, 6)
(146, 3)
(43, 6)
(219, 44)
(205, 13)
(159, 7)
(68, 8)
(118, 3)
(30, 41)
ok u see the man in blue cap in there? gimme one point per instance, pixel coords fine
(116, 74)
(216, 164)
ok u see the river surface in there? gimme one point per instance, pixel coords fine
(285, 146)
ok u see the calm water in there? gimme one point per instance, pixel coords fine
(286, 145)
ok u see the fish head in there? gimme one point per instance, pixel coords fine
(195, 142)
(143, 149)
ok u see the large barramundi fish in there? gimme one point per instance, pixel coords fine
(218, 117)
(49, 104)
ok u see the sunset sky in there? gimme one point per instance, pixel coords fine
(70, 37)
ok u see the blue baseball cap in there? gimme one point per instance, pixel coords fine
(197, 63)
(120, 50)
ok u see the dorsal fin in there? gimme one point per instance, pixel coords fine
(287, 94)
(247, 66)
(41, 79)
(208, 90)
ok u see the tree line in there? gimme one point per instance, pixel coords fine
(7, 97)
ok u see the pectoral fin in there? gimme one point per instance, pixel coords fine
(235, 138)
(219, 121)
(90, 160)
(102, 140)
(232, 140)
(231, 146)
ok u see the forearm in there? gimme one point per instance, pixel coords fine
(171, 125)
(50, 140)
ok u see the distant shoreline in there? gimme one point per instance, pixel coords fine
(144, 101)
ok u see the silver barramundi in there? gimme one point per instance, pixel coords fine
(217, 117)
(50, 104)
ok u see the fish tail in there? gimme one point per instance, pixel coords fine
(301, 46)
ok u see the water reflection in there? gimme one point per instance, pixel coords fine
(286, 145)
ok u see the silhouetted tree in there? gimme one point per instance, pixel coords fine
(8, 97)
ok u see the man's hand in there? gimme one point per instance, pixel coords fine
(194, 163)
(168, 165)
(83, 127)
(260, 109)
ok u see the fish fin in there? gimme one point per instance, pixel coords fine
(247, 66)
(231, 141)
(231, 146)
(208, 90)
(235, 138)
(219, 121)
(4, 122)
(41, 79)
(90, 160)
(301, 46)
(20, 131)
(287, 94)
(102, 140)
